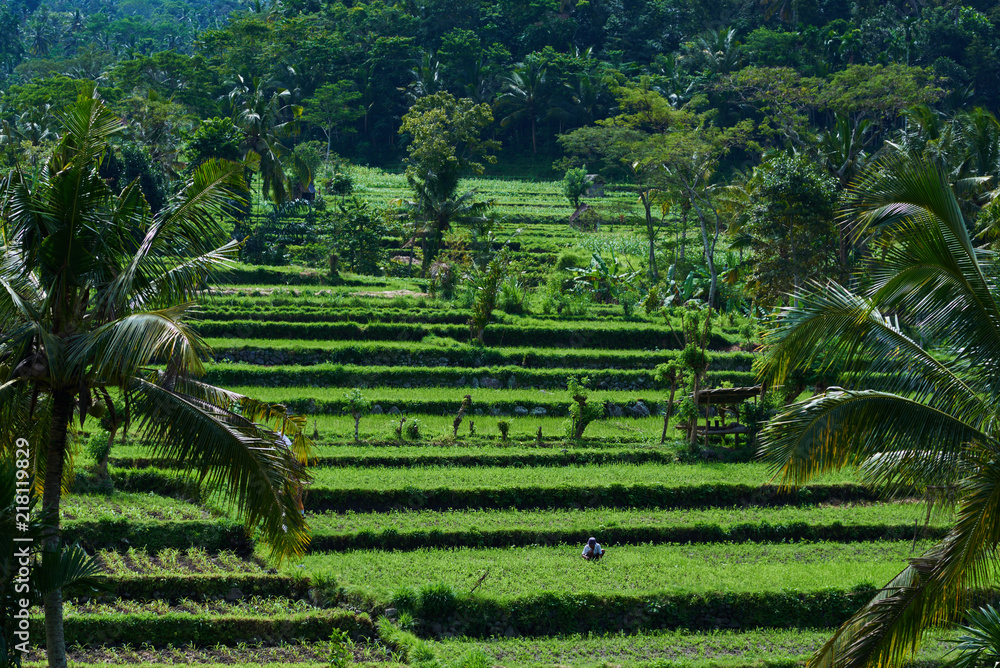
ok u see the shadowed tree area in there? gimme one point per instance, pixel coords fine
(95, 293)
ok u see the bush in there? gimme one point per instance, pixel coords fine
(335, 375)
(340, 655)
(613, 335)
(437, 601)
(568, 260)
(153, 536)
(359, 231)
(408, 646)
(308, 255)
(200, 587)
(575, 185)
(763, 532)
(581, 413)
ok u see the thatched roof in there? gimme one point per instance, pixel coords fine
(728, 396)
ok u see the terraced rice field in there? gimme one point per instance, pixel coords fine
(469, 536)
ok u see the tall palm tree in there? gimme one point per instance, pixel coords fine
(522, 94)
(94, 294)
(427, 78)
(265, 115)
(920, 419)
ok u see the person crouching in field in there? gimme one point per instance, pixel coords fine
(592, 551)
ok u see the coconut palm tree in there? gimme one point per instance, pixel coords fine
(95, 291)
(522, 94)
(265, 116)
(919, 420)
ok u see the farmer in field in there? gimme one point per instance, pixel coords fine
(592, 551)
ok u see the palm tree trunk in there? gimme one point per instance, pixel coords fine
(62, 413)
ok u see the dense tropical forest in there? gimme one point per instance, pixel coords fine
(331, 331)
(309, 88)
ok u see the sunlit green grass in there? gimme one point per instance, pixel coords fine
(130, 506)
(603, 518)
(719, 649)
(641, 569)
(673, 475)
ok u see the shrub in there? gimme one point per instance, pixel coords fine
(165, 629)
(575, 185)
(504, 428)
(325, 591)
(581, 413)
(413, 430)
(340, 649)
(308, 255)
(359, 236)
(98, 447)
(568, 260)
(485, 285)
(340, 184)
(513, 295)
(444, 279)
(408, 646)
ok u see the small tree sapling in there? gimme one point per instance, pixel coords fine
(357, 406)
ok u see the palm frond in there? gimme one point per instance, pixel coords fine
(254, 411)
(120, 349)
(247, 464)
(70, 568)
(838, 330)
(186, 244)
(849, 428)
(935, 588)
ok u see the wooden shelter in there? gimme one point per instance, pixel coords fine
(725, 397)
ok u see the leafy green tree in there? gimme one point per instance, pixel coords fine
(357, 407)
(445, 144)
(664, 152)
(358, 238)
(331, 106)
(790, 227)
(95, 294)
(11, 46)
(922, 419)
(214, 138)
(129, 162)
(630, 144)
(461, 59)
